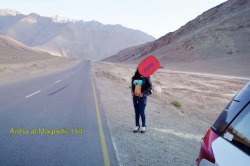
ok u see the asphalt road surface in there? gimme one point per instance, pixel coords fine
(56, 119)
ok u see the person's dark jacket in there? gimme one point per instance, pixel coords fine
(146, 86)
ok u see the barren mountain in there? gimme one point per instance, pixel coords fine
(88, 40)
(217, 41)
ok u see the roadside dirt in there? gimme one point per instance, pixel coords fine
(172, 134)
(20, 68)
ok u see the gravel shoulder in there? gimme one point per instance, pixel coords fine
(173, 134)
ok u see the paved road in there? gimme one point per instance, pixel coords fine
(64, 103)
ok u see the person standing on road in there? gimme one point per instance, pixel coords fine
(140, 89)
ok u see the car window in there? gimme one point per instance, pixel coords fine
(239, 131)
(226, 116)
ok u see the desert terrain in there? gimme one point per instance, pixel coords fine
(16, 68)
(172, 134)
(19, 61)
(215, 42)
(67, 37)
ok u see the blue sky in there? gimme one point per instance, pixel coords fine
(155, 17)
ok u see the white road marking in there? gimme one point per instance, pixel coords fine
(58, 81)
(33, 94)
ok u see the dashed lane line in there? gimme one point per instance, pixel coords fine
(33, 94)
(58, 81)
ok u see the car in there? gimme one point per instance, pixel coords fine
(227, 142)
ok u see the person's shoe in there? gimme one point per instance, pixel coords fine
(143, 129)
(136, 129)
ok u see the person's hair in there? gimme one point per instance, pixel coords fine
(137, 76)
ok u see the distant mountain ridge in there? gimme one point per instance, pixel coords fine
(62, 19)
(68, 37)
(4, 12)
(216, 41)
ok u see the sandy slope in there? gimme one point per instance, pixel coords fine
(18, 61)
(173, 134)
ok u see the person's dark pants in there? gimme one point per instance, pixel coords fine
(140, 110)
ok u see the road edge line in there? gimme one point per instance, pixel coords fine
(103, 142)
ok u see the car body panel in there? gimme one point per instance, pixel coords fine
(227, 154)
(205, 162)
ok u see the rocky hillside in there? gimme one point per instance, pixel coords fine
(87, 40)
(217, 41)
